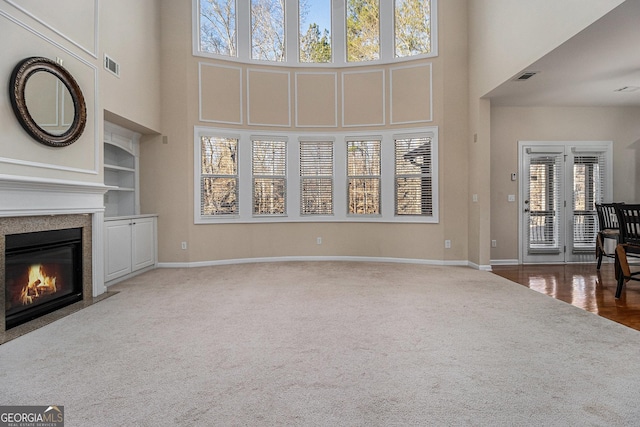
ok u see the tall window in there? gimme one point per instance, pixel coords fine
(315, 33)
(412, 27)
(588, 189)
(388, 177)
(219, 176)
(269, 169)
(363, 30)
(316, 178)
(413, 180)
(218, 27)
(315, 30)
(363, 177)
(267, 30)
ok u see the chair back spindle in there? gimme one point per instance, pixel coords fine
(629, 220)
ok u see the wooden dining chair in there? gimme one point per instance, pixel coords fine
(629, 244)
(608, 229)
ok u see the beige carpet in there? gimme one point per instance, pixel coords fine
(327, 344)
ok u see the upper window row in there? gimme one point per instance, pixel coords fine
(314, 32)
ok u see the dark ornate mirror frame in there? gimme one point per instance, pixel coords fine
(19, 77)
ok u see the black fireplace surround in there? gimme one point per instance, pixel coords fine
(43, 273)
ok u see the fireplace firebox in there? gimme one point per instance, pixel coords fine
(43, 273)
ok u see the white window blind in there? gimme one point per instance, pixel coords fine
(219, 176)
(588, 189)
(363, 177)
(316, 178)
(546, 177)
(269, 166)
(244, 177)
(413, 176)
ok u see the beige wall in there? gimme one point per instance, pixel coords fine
(23, 36)
(168, 169)
(130, 35)
(512, 124)
(72, 30)
(506, 36)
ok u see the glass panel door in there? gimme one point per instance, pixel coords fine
(559, 189)
(544, 205)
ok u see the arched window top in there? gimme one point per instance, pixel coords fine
(315, 32)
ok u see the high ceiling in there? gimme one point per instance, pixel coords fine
(587, 69)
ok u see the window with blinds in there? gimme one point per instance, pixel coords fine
(269, 166)
(316, 177)
(363, 177)
(588, 189)
(219, 176)
(413, 176)
(244, 177)
(545, 181)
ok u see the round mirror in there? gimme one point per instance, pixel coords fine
(47, 102)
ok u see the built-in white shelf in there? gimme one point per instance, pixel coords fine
(121, 171)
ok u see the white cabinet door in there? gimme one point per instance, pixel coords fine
(117, 238)
(143, 243)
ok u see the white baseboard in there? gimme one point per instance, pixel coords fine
(504, 262)
(319, 258)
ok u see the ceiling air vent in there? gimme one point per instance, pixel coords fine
(111, 65)
(525, 76)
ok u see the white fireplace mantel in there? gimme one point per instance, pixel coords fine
(33, 196)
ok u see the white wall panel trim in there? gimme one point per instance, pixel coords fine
(200, 117)
(93, 50)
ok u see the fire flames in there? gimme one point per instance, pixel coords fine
(39, 285)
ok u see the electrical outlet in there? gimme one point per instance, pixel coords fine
(447, 244)
(184, 246)
(319, 240)
(494, 243)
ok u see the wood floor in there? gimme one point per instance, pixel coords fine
(583, 286)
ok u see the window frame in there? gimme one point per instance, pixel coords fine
(293, 181)
(291, 34)
(303, 177)
(368, 176)
(255, 176)
(422, 175)
(203, 176)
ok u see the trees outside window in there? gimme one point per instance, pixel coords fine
(316, 177)
(315, 31)
(268, 30)
(390, 177)
(219, 176)
(412, 27)
(368, 30)
(269, 167)
(363, 176)
(218, 27)
(363, 30)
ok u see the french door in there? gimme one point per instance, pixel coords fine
(560, 184)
